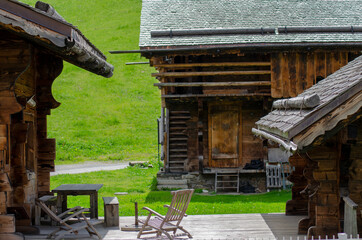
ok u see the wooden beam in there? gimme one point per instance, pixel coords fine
(215, 73)
(212, 84)
(216, 64)
(135, 63)
(216, 95)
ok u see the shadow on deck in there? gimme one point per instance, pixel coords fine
(225, 226)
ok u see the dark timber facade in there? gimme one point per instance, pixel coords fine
(33, 44)
(222, 63)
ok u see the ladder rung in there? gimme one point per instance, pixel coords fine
(228, 187)
(178, 150)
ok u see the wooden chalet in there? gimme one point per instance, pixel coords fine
(33, 44)
(326, 139)
(221, 64)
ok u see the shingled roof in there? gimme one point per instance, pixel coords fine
(333, 92)
(43, 26)
(166, 15)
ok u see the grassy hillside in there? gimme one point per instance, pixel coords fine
(140, 190)
(99, 118)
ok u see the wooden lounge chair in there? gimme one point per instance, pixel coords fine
(171, 221)
(65, 228)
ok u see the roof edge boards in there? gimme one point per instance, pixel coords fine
(286, 145)
(270, 47)
(324, 109)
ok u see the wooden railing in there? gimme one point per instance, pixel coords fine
(350, 217)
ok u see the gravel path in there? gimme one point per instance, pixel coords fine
(88, 167)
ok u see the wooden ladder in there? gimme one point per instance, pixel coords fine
(178, 140)
(227, 180)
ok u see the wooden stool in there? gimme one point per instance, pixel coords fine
(49, 200)
(111, 213)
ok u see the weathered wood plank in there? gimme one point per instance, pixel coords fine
(5, 185)
(215, 64)
(301, 72)
(212, 84)
(311, 75)
(320, 64)
(285, 75)
(292, 65)
(215, 73)
(276, 75)
(7, 223)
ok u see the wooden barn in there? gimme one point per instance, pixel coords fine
(325, 135)
(221, 64)
(33, 44)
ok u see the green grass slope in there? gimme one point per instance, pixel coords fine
(139, 184)
(99, 118)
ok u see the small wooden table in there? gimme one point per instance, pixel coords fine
(78, 189)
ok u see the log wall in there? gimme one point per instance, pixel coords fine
(327, 215)
(26, 155)
(355, 169)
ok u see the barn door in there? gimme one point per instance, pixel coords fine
(224, 136)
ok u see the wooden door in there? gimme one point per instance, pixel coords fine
(224, 136)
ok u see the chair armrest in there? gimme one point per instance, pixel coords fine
(74, 214)
(168, 206)
(153, 212)
(69, 210)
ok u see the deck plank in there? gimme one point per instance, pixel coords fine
(224, 226)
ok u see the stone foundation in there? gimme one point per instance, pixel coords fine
(197, 180)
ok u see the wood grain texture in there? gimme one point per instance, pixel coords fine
(225, 136)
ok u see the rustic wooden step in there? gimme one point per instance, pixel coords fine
(177, 133)
(178, 144)
(228, 187)
(179, 117)
(180, 155)
(178, 150)
(177, 162)
(177, 122)
(179, 112)
(178, 139)
(178, 128)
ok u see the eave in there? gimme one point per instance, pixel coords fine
(149, 51)
(61, 38)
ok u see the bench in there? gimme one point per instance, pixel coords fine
(111, 213)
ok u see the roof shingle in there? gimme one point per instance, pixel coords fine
(228, 14)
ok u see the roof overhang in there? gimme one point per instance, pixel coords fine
(148, 51)
(345, 112)
(52, 33)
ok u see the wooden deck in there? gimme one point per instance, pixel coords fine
(228, 226)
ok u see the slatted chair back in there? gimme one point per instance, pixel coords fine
(180, 202)
(49, 212)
